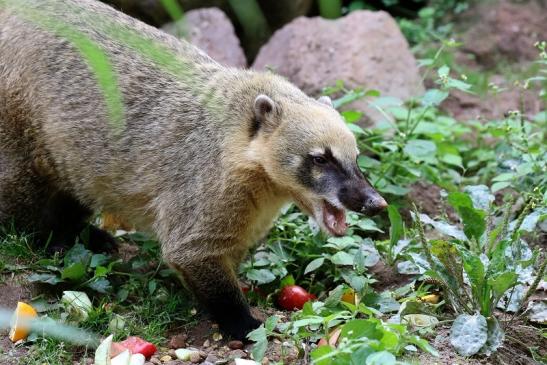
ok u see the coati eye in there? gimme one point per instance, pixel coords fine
(319, 160)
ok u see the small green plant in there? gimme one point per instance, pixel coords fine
(363, 338)
(480, 268)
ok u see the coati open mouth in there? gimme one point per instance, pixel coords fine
(334, 219)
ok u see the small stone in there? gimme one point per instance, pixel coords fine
(155, 360)
(178, 341)
(235, 345)
(89, 361)
(195, 357)
(217, 336)
(207, 343)
(172, 353)
(211, 358)
(265, 361)
(238, 354)
(166, 358)
(174, 362)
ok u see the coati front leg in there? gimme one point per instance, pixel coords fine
(213, 281)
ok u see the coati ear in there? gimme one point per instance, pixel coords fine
(325, 100)
(263, 107)
(264, 110)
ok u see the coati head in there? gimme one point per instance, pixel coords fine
(308, 150)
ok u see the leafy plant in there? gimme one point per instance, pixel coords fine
(480, 269)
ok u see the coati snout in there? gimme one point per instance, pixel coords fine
(316, 160)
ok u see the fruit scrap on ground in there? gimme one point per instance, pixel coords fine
(20, 327)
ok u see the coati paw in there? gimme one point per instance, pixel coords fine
(239, 328)
(101, 241)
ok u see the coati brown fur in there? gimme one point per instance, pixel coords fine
(203, 155)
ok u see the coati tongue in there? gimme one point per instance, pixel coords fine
(334, 219)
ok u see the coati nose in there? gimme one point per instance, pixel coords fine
(374, 205)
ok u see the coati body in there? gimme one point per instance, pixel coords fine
(203, 155)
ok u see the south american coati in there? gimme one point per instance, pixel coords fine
(99, 111)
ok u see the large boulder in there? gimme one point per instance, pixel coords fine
(364, 49)
(503, 30)
(211, 30)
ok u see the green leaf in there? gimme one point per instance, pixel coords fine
(101, 271)
(434, 97)
(443, 71)
(495, 336)
(396, 229)
(314, 265)
(334, 297)
(342, 258)
(152, 284)
(100, 285)
(503, 282)
(475, 271)
(469, 334)
(321, 356)
(261, 342)
(77, 254)
(362, 328)
(424, 345)
(420, 150)
(51, 279)
(74, 272)
(98, 260)
(261, 276)
(381, 358)
(351, 116)
(367, 224)
(500, 185)
(506, 176)
(473, 219)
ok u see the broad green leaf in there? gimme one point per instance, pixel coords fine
(261, 276)
(98, 260)
(480, 196)
(473, 219)
(495, 336)
(74, 272)
(51, 279)
(506, 176)
(261, 342)
(503, 282)
(362, 328)
(420, 149)
(342, 258)
(500, 185)
(434, 97)
(77, 254)
(474, 268)
(100, 285)
(381, 358)
(351, 116)
(322, 355)
(314, 265)
(469, 334)
(360, 355)
(443, 71)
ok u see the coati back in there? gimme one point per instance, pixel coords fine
(99, 111)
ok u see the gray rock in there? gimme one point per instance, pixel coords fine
(364, 49)
(211, 30)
